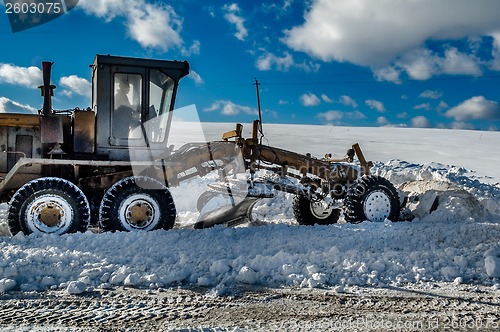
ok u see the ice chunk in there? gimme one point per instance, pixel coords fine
(132, 279)
(7, 285)
(219, 267)
(492, 265)
(76, 287)
(247, 275)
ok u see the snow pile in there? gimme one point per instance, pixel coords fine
(468, 192)
(459, 241)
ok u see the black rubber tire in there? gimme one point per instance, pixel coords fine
(29, 196)
(118, 202)
(302, 210)
(369, 190)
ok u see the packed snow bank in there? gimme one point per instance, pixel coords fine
(275, 255)
(451, 183)
(458, 241)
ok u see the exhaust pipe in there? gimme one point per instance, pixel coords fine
(51, 126)
(47, 89)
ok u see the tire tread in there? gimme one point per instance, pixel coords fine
(108, 218)
(53, 185)
(301, 207)
(353, 207)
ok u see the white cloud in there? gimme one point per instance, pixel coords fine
(424, 106)
(108, 9)
(403, 115)
(431, 94)
(268, 60)
(336, 116)
(382, 121)
(227, 107)
(442, 106)
(152, 25)
(348, 101)
(75, 84)
(326, 99)
(30, 77)
(421, 122)
(278, 8)
(193, 49)
(283, 102)
(376, 33)
(10, 106)
(196, 77)
(210, 10)
(419, 65)
(232, 16)
(331, 116)
(310, 99)
(308, 66)
(458, 63)
(389, 74)
(476, 108)
(155, 26)
(495, 53)
(286, 4)
(376, 105)
(423, 64)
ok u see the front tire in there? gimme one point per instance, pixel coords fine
(137, 204)
(371, 198)
(309, 212)
(48, 206)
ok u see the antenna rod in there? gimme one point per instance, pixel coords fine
(257, 84)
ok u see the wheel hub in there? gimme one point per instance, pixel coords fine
(377, 206)
(321, 209)
(50, 214)
(139, 213)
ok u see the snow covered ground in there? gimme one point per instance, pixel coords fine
(459, 242)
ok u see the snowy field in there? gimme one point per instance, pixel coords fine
(459, 242)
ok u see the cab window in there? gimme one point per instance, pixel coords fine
(127, 105)
(161, 88)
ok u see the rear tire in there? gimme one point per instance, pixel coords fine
(137, 204)
(371, 198)
(308, 212)
(48, 206)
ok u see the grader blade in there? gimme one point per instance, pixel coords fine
(230, 215)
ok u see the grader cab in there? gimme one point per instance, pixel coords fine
(112, 164)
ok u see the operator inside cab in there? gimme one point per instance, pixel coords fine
(121, 96)
(127, 105)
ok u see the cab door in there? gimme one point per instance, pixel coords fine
(127, 106)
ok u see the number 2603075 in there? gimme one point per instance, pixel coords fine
(33, 8)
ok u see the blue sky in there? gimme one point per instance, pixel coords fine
(414, 63)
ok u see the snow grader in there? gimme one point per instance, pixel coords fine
(111, 165)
